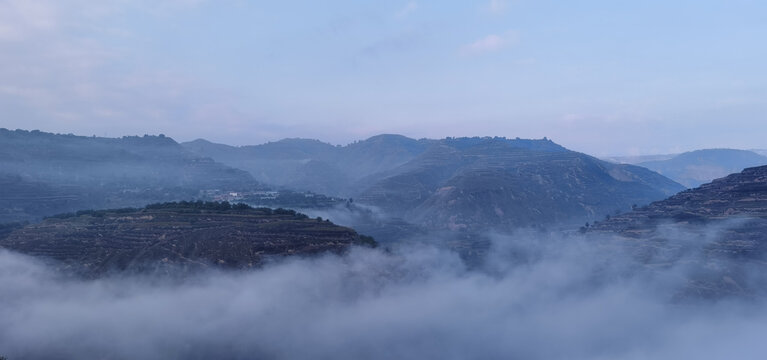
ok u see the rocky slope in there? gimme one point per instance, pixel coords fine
(719, 229)
(482, 183)
(176, 236)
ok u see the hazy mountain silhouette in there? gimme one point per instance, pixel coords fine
(701, 166)
(313, 165)
(453, 183)
(44, 173)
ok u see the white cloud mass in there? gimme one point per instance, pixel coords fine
(537, 297)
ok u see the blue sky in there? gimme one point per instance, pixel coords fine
(603, 77)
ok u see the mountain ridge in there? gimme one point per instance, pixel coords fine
(45, 173)
(490, 184)
(694, 168)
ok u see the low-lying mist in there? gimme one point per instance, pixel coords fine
(536, 297)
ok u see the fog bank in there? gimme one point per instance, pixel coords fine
(537, 297)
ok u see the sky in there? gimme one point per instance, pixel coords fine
(602, 77)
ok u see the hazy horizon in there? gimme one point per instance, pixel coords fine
(607, 155)
(599, 77)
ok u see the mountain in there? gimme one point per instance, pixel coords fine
(694, 168)
(636, 159)
(313, 165)
(176, 236)
(726, 219)
(44, 174)
(482, 183)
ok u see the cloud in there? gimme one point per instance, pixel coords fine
(62, 71)
(491, 43)
(497, 6)
(537, 297)
(408, 9)
(19, 19)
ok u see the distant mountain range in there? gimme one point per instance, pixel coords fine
(45, 174)
(726, 219)
(471, 184)
(394, 186)
(636, 159)
(694, 168)
(313, 165)
(453, 183)
(176, 238)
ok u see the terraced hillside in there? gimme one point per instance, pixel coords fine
(724, 223)
(740, 195)
(173, 236)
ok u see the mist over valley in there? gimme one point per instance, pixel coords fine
(415, 179)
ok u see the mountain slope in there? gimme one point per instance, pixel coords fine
(701, 166)
(492, 182)
(313, 165)
(739, 195)
(725, 219)
(177, 236)
(46, 173)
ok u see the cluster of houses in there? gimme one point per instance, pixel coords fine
(239, 196)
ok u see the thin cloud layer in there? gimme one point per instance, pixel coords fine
(491, 43)
(497, 6)
(408, 9)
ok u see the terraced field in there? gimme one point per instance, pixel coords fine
(173, 236)
(718, 229)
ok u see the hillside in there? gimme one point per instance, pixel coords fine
(726, 219)
(694, 168)
(177, 236)
(313, 165)
(44, 174)
(482, 183)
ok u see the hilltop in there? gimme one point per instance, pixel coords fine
(175, 236)
(483, 183)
